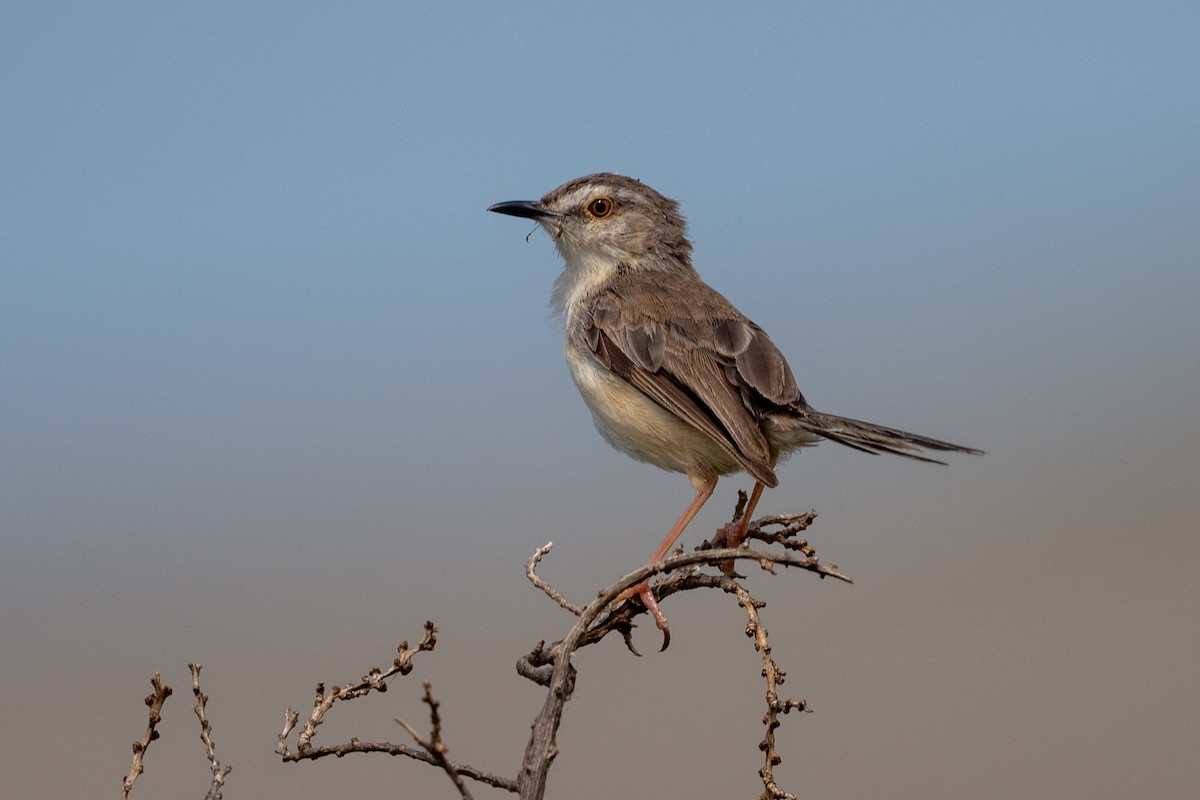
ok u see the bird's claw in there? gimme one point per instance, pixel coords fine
(645, 596)
(627, 635)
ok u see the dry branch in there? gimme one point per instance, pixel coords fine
(155, 701)
(436, 748)
(375, 680)
(550, 665)
(218, 772)
(600, 618)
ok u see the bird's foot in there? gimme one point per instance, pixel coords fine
(730, 535)
(646, 597)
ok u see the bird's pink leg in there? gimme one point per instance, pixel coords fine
(704, 490)
(731, 535)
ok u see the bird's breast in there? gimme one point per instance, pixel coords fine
(636, 425)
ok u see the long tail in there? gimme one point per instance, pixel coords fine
(875, 439)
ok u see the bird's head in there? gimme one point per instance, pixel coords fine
(608, 218)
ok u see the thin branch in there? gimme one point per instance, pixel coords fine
(677, 563)
(774, 677)
(155, 702)
(355, 746)
(218, 772)
(550, 665)
(790, 525)
(551, 592)
(681, 566)
(434, 746)
(375, 680)
(542, 748)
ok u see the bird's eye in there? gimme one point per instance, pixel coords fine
(599, 208)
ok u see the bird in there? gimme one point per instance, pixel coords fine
(673, 373)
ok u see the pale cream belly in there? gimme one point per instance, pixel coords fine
(636, 425)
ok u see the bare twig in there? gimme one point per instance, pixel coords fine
(155, 701)
(774, 677)
(551, 592)
(550, 665)
(375, 680)
(682, 567)
(542, 747)
(789, 525)
(436, 748)
(538, 665)
(218, 772)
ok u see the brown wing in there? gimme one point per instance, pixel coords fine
(707, 364)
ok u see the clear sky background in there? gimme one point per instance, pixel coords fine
(275, 388)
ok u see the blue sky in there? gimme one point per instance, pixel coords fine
(268, 366)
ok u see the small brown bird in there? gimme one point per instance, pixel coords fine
(673, 373)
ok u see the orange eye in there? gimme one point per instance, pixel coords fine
(600, 208)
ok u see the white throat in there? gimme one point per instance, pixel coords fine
(585, 270)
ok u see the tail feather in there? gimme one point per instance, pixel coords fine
(876, 439)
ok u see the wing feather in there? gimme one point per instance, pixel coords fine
(714, 369)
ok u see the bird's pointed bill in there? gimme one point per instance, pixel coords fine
(523, 208)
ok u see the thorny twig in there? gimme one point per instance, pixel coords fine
(155, 701)
(550, 665)
(436, 748)
(774, 677)
(556, 658)
(375, 680)
(218, 772)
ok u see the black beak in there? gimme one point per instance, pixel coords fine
(523, 208)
